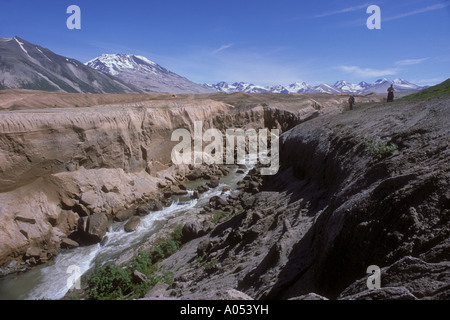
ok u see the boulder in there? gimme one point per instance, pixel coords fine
(203, 247)
(208, 176)
(162, 184)
(93, 228)
(106, 188)
(123, 215)
(194, 229)
(157, 205)
(252, 187)
(195, 195)
(195, 174)
(202, 188)
(217, 202)
(139, 277)
(214, 183)
(177, 191)
(67, 243)
(132, 224)
(143, 209)
(221, 201)
(247, 201)
(81, 210)
(151, 205)
(33, 252)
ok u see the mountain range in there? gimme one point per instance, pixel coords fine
(342, 86)
(28, 66)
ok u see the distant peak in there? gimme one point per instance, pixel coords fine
(382, 80)
(400, 80)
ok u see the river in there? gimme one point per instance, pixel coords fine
(51, 282)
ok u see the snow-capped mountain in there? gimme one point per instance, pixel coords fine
(325, 88)
(24, 65)
(114, 64)
(238, 87)
(341, 86)
(145, 74)
(347, 87)
(381, 85)
(403, 85)
(299, 87)
(278, 89)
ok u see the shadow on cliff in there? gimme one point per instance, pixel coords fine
(367, 211)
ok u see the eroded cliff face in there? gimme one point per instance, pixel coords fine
(333, 210)
(376, 208)
(57, 165)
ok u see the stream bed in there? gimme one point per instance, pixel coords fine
(53, 281)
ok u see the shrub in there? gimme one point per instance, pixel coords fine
(379, 149)
(109, 282)
(164, 249)
(142, 263)
(168, 246)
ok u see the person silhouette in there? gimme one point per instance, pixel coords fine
(390, 91)
(351, 102)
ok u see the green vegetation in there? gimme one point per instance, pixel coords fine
(379, 149)
(217, 217)
(166, 248)
(113, 282)
(205, 264)
(434, 91)
(110, 282)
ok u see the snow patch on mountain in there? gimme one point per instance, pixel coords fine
(21, 46)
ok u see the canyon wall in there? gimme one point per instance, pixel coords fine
(335, 208)
(57, 165)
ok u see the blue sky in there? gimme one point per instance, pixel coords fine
(262, 42)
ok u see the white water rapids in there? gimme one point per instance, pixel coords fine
(51, 282)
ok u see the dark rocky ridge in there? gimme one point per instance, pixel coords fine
(333, 210)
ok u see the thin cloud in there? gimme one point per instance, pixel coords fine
(224, 47)
(345, 10)
(367, 72)
(410, 62)
(428, 82)
(412, 13)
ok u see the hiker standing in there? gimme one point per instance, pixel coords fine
(390, 91)
(351, 102)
